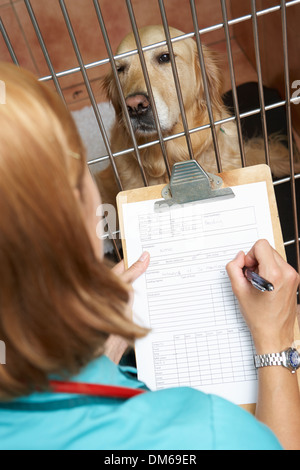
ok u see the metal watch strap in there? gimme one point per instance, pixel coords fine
(290, 358)
(272, 359)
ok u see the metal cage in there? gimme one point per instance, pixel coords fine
(55, 77)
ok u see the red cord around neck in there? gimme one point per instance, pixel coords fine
(109, 391)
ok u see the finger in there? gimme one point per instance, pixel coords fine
(268, 262)
(137, 269)
(119, 268)
(261, 252)
(235, 267)
(235, 271)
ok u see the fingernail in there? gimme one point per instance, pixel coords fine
(144, 256)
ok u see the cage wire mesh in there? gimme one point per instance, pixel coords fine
(99, 159)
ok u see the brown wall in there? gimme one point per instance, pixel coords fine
(271, 48)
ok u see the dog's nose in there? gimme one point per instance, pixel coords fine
(137, 104)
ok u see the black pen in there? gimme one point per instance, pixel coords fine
(257, 281)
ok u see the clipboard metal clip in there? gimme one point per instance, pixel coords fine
(190, 183)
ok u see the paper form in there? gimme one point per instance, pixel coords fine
(198, 337)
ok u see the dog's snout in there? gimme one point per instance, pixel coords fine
(137, 104)
(140, 113)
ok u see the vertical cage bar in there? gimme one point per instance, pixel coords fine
(233, 82)
(118, 84)
(44, 49)
(289, 127)
(176, 78)
(112, 238)
(95, 108)
(205, 84)
(148, 84)
(260, 82)
(89, 90)
(8, 43)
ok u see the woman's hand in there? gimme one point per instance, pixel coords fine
(270, 315)
(271, 319)
(135, 271)
(116, 346)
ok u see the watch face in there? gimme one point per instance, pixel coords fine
(294, 358)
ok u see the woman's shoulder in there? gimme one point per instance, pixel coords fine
(175, 418)
(198, 420)
(184, 417)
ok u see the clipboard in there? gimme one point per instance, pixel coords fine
(178, 191)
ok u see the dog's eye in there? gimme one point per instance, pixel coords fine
(120, 68)
(164, 58)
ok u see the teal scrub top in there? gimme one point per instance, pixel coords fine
(171, 419)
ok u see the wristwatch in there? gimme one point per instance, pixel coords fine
(290, 358)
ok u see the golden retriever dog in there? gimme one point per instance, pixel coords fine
(168, 110)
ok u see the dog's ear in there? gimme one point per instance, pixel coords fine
(214, 78)
(109, 86)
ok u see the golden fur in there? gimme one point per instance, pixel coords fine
(166, 101)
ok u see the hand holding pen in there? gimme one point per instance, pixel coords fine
(270, 318)
(257, 281)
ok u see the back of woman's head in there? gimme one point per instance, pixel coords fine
(58, 301)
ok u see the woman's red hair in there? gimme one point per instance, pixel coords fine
(58, 302)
